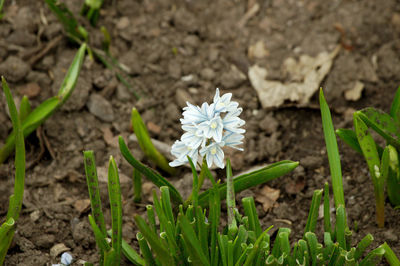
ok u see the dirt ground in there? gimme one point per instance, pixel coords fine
(180, 51)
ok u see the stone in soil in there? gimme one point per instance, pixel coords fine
(14, 69)
(100, 107)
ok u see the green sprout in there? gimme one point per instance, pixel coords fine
(383, 163)
(78, 34)
(91, 10)
(7, 229)
(31, 120)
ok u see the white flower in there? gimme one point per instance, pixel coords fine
(223, 103)
(212, 128)
(182, 151)
(232, 122)
(207, 129)
(193, 137)
(195, 114)
(214, 154)
(232, 139)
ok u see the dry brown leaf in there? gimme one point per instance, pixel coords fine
(268, 196)
(82, 205)
(306, 76)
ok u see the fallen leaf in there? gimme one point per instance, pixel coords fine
(306, 76)
(82, 205)
(57, 249)
(354, 94)
(295, 186)
(268, 196)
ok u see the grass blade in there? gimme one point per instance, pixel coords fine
(327, 210)
(193, 243)
(156, 245)
(251, 212)
(15, 205)
(131, 254)
(146, 145)
(114, 194)
(362, 246)
(156, 178)
(24, 108)
(213, 218)
(341, 226)
(230, 201)
(313, 213)
(94, 192)
(72, 75)
(253, 252)
(393, 176)
(389, 255)
(333, 151)
(370, 153)
(137, 186)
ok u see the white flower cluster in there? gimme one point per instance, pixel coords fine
(207, 129)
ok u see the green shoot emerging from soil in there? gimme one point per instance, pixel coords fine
(383, 163)
(7, 229)
(31, 120)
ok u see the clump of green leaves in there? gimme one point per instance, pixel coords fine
(383, 163)
(32, 119)
(7, 229)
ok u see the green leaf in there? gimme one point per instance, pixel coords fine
(131, 254)
(393, 175)
(312, 244)
(72, 75)
(251, 212)
(144, 248)
(194, 246)
(374, 257)
(230, 201)
(313, 213)
(65, 17)
(137, 186)
(395, 108)
(156, 245)
(15, 203)
(341, 226)
(252, 179)
(333, 151)
(156, 178)
(362, 246)
(94, 192)
(24, 108)
(214, 218)
(146, 145)
(254, 251)
(276, 249)
(390, 257)
(370, 153)
(114, 194)
(382, 123)
(327, 210)
(99, 236)
(46, 108)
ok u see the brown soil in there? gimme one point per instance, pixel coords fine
(161, 42)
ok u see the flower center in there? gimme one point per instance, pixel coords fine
(213, 150)
(213, 125)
